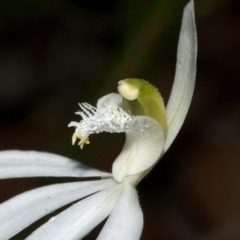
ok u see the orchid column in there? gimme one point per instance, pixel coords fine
(139, 111)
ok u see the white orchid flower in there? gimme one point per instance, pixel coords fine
(150, 129)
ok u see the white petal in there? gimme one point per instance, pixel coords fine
(79, 219)
(126, 219)
(143, 147)
(15, 163)
(24, 209)
(112, 100)
(184, 82)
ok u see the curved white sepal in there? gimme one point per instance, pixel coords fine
(16, 164)
(185, 74)
(111, 100)
(79, 219)
(143, 147)
(126, 219)
(21, 211)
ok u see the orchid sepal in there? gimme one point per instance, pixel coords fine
(143, 146)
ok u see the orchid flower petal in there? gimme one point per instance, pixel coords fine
(15, 164)
(79, 219)
(184, 81)
(143, 147)
(21, 211)
(126, 219)
(112, 100)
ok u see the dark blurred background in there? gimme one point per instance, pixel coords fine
(56, 53)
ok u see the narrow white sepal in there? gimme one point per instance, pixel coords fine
(143, 147)
(185, 74)
(126, 219)
(14, 164)
(21, 211)
(79, 219)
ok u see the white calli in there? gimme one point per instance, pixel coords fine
(138, 111)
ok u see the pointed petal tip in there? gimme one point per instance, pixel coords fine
(72, 124)
(74, 138)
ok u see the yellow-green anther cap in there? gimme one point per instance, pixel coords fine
(143, 99)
